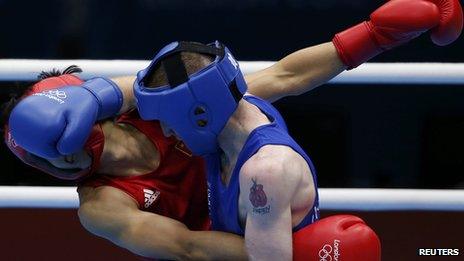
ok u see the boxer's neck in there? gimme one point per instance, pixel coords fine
(232, 138)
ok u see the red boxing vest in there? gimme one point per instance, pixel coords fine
(176, 189)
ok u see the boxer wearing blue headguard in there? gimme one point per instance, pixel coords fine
(189, 105)
(245, 143)
(261, 184)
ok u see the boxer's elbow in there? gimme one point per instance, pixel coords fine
(90, 221)
(100, 225)
(85, 217)
(187, 247)
(184, 247)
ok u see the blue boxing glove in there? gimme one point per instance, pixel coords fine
(58, 122)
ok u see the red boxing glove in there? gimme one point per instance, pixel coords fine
(340, 237)
(397, 22)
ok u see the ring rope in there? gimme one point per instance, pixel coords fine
(369, 73)
(330, 199)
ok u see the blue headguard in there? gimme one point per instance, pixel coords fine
(196, 106)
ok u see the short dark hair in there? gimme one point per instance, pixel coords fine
(17, 93)
(55, 72)
(193, 63)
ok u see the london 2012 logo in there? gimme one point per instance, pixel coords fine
(55, 94)
(58, 93)
(324, 253)
(329, 253)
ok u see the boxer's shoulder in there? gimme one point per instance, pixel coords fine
(274, 158)
(276, 164)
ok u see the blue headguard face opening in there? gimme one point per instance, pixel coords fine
(196, 106)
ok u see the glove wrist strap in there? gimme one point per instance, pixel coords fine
(108, 95)
(356, 45)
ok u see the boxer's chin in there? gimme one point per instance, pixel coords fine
(79, 160)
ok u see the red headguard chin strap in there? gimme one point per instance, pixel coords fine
(93, 146)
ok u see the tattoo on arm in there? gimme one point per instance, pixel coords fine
(258, 198)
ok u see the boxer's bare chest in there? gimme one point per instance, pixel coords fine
(128, 152)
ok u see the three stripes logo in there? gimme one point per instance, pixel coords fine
(150, 197)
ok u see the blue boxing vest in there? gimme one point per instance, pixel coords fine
(223, 200)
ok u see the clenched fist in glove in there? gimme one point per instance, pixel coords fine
(54, 122)
(397, 22)
(339, 237)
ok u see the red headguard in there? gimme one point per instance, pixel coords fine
(93, 146)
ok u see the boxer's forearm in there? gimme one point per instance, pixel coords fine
(156, 236)
(125, 84)
(110, 213)
(297, 73)
(214, 245)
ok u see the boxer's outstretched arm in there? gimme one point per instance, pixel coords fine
(110, 213)
(296, 73)
(392, 24)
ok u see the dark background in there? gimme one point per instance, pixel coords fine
(357, 135)
(56, 234)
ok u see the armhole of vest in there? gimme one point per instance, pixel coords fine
(114, 185)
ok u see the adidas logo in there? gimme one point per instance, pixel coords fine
(150, 197)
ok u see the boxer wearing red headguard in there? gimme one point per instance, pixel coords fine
(151, 179)
(46, 90)
(159, 200)
(112, 207)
